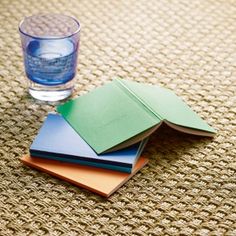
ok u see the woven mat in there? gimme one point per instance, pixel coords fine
(189, 186)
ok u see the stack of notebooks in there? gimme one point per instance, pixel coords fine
(95, 141)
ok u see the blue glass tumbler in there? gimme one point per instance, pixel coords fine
(50, 45)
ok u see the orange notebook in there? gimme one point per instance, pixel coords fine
(101, 181)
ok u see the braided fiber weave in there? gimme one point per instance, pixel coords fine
(189, 186)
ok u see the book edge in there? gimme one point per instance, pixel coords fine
(104, 194)
(189, 130)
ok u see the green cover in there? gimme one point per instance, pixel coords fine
(166, 105)
(118, 111)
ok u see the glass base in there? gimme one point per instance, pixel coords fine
(51, 93)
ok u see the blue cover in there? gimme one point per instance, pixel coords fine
(59, 141)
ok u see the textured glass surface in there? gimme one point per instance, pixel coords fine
(50, 45)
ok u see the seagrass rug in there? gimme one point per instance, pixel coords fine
(189, 185)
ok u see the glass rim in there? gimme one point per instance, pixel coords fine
(50, 38)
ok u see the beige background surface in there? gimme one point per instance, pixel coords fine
(189, 186)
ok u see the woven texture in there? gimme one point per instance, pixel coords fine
(189, 186)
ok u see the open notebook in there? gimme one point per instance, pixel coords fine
(123, 112)
(101, 181)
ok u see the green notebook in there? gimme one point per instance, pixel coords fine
(124, 112)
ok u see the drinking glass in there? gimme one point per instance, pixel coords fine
(50, 44)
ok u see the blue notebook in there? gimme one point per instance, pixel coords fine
(57, 140)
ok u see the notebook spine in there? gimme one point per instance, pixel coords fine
(124, 86)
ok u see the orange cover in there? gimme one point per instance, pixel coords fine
(101, 181)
